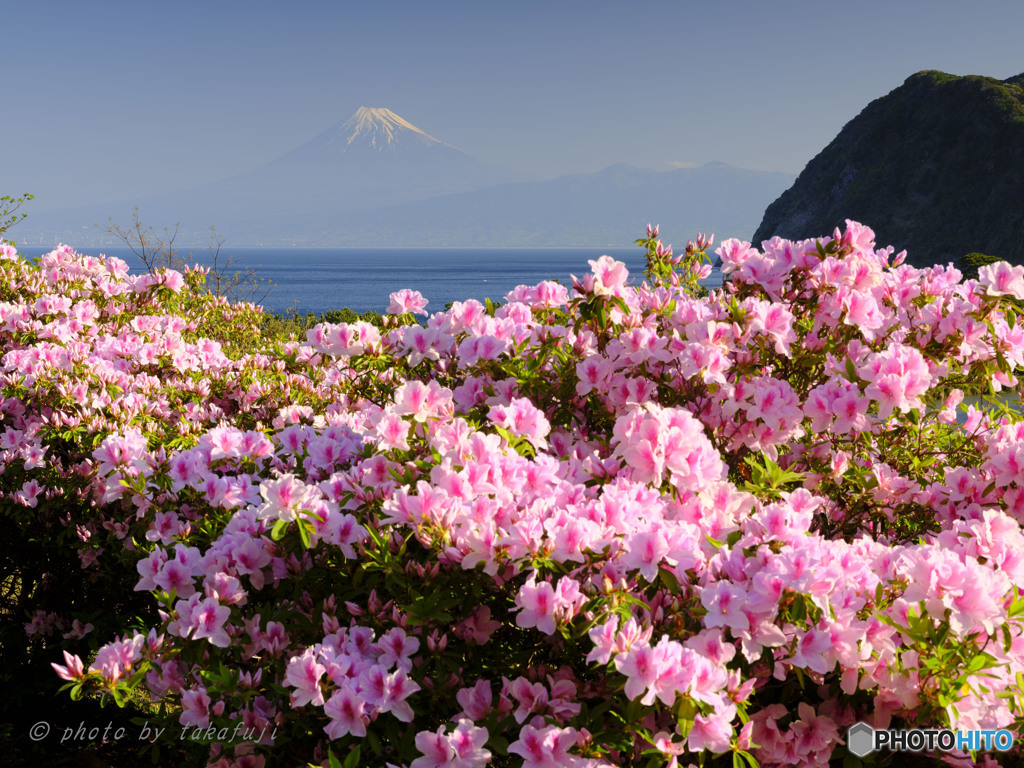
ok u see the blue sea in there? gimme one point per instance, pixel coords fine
(320, 279)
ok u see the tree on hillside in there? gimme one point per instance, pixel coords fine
(972, 262)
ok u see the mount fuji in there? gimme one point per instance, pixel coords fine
(373, 159)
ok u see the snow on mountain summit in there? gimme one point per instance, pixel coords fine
(379, 128)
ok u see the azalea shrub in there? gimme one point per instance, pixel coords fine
(632, 522)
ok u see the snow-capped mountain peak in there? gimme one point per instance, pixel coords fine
(379, 128)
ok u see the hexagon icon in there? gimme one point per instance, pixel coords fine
(860, 739)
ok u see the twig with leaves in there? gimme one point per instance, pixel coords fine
(8, 207)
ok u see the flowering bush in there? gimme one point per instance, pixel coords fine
(617, 525)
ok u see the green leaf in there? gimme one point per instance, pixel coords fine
(686, 716)
(352, 759)
(1017, 606)
(278, 531)
(979, 662)
(851, 371)
(669, 580)
(498, 744)
(304, 529)
(374, 743)
(798, 610)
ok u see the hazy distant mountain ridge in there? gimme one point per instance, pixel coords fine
(607, 208)
(935, 167)
(376, 179)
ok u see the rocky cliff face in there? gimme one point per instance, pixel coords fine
(935, 167)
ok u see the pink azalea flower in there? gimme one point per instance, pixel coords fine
(396, 649)
(392, 431)
(545, 747)
(476, 701)
(406, 300)
(1002, 279)
(814, 732)
(532, 697)
(175, 575)
(347, 710)
(725, 603)
(645, 553)
(195, 708)
(603, 637)
(461, 749)
(850, 413)
(126, 451)
(609, 276)
(421, 401)
(468, 741)
(399, 688)
(537, 603)
(658, 672)
(437, 748)
(250, 557)
(863, 312)
(523, 419)
(275, 639)
(712, 732)
(74, 669)
(814, 651)
(421, 344)
(172, 279)
(284, 497)
(776, 321)
(640, 665)
(207, 621)
(304, 674)
(592, 373)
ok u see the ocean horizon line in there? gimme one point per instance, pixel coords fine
(308, 280)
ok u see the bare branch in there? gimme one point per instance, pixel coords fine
(159, 253)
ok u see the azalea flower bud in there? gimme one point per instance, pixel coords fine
(436, 643)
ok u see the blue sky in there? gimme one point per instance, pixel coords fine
(117, 100)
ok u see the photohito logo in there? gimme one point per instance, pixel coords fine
(862, 740)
